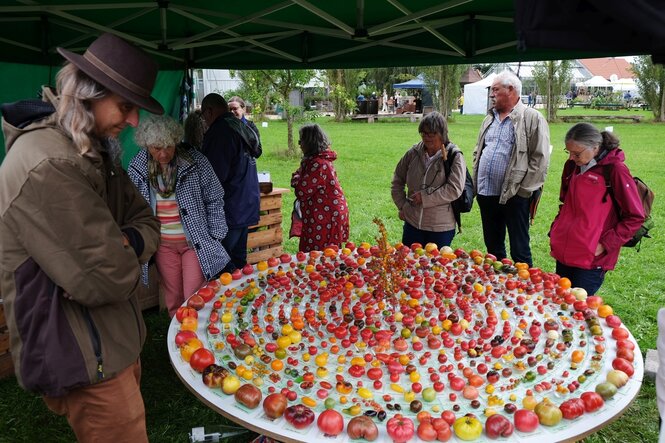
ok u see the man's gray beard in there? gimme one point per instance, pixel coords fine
(113, 148)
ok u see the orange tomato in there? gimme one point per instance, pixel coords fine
(189, 324)
(577, 356)
(277, 365)
(565, 283)
(605, 310)
(188, 348)
(225, 278)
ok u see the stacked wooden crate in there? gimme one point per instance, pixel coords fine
(265, 239)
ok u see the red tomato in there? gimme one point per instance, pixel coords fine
(426, 431)
(626, 354)
(626, 344)
(330, 422)
(526, 420)
(592, 401)
(201, 359)
(400, 428)
(206, 294)
(182, 336)
(623, 365)
(620, 333)
(572, 408)
(185, 311)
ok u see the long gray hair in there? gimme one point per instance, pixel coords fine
(76, 90)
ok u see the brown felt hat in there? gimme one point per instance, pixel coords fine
(121, 68)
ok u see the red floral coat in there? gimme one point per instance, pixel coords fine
(325, 214)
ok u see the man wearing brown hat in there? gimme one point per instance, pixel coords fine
(73, 233)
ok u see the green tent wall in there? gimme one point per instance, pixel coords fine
(21, 81)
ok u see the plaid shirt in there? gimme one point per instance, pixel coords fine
(494, 161)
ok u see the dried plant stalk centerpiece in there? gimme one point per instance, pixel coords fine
(389, 267)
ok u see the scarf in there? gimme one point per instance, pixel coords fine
(163, 178)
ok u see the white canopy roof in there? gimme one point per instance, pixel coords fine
(595, 82)
(476, 95)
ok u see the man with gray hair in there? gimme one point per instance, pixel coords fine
(73, 233)
(510, 163)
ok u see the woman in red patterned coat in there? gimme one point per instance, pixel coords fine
(325, 214)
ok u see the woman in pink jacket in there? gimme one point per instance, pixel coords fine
(596, 218)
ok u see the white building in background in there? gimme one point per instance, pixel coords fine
(213, 80)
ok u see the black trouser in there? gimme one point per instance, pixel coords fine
(513, 217)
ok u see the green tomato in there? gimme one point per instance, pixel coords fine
(429, 394)
(330, 403)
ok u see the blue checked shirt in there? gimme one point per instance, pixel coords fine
(494, 160)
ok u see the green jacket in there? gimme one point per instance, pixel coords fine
(68, 283)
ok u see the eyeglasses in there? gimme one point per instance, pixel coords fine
(576, 155)
(428, 134)
(157, 149)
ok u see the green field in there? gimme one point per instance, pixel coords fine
(368, 154)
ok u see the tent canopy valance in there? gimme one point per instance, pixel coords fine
(277, 33)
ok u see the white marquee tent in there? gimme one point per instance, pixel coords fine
(596, 81)
(476, 95)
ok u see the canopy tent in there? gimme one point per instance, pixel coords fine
(279, 33)
(416, 83)
(476, 96)
(625, 85)
(595, 82)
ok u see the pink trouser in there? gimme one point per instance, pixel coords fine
(180, 273)
(111, 411)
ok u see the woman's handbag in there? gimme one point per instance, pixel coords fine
(296, 220)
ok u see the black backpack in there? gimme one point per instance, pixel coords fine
(465, 201)
(646, 197)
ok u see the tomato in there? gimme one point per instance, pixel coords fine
(626, 344)
(497, 426)
(185, 311)
(189, 324)
(248, 395)
(548, 413)
(617, 378)
(592, 401)
(572, 408)
(426, 431)
(196, 302)
(400, 428)
(621, 364)
(362, 427)
(448, 416)
(214, 375)
(467, 428)
(182, 336)
(201, 359)
(526, 420)
(188, 348)
(330, 422)
(620, 333)
(299, 416)
(626, 354)
(206, 293)
(274, 405)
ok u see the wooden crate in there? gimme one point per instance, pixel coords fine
(265, 239)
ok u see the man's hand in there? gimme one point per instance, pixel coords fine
(599, 249)
(416, 199)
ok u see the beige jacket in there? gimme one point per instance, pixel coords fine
(437, 190)
(530, 158)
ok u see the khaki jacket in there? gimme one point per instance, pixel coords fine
(530, 158)
(437, 190)
(68, 283)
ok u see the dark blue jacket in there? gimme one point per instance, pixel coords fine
(236, 169)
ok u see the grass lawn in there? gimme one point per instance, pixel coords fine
(368, 154)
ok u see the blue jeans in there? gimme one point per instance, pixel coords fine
(412, 235)
(235, 244)
(513, 217)
(589, 279)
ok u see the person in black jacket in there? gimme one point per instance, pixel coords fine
(228, 146)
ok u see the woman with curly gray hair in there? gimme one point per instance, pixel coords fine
(185, 194)
(325, 214)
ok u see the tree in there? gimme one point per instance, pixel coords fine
(281, 82)
(651, 83)
(255, 89)
(343, 85)
(553, 80)
(443, 81)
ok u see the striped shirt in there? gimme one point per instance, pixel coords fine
(168, 213)
(494, 160)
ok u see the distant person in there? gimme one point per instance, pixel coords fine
(227, 146)
(593, 223)
(509, 165)
(195, 128)
(237, 107)
(361, 97)
(532, 99)
(384, 101)
(74, 232)
(183, 191)
(422, 191)
(325, 214)
(460, 103)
